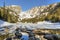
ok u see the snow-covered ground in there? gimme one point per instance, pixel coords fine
(3, 23)
(41, 25)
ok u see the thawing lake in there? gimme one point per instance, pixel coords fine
(41, 25)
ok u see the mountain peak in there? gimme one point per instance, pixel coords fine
(42, 12)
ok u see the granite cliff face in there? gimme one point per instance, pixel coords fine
(15, 8)
(36, 14)
(10, 13)
(42, 10)
(42, 13)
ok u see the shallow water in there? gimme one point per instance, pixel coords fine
(25, 37)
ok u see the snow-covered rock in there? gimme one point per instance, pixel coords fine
(14, 8)
(26, 15)
(38, 11)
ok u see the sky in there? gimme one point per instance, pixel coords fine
(28, 4)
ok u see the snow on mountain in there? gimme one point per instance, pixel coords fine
(37, 11)
(23, 15)
(15, 8)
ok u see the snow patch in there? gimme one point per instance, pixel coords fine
(3, 23)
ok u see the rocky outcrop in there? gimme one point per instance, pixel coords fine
(10, 13)
(44, 13)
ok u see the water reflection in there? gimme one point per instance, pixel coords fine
(25, 37)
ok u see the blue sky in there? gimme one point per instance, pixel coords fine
(27, 4)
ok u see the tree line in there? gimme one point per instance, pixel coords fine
(7, 16)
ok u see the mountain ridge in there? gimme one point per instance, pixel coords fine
(36, 14)
(41, 12)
